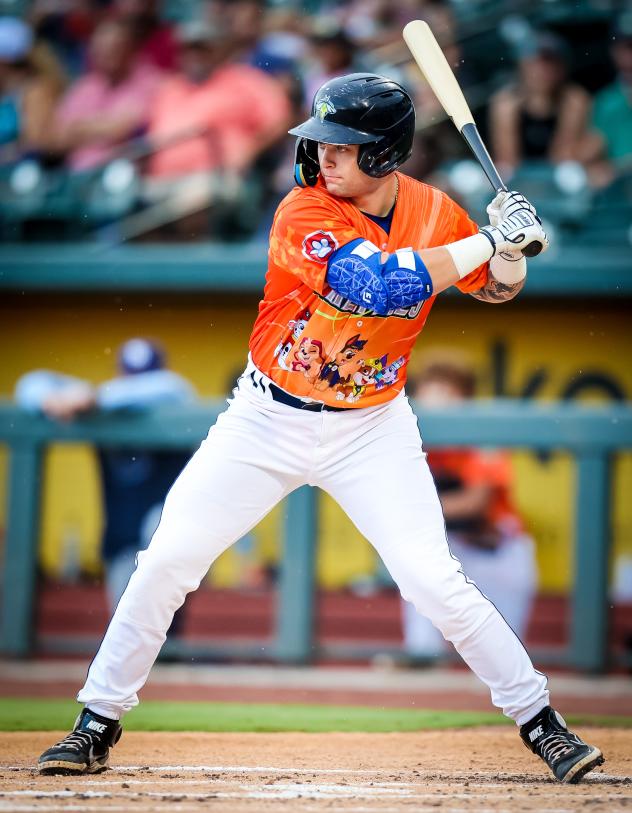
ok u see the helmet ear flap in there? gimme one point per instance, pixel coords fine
(306, 166)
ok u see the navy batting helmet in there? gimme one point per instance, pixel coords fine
(360, 108)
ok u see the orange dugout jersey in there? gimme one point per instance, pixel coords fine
(473, 467)
(318, 345)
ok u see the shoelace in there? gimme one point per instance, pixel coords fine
(555, 745)
(76, 740)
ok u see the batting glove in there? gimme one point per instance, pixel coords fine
(515, 232)
(494, 213)
(493, 210)
(505, 204)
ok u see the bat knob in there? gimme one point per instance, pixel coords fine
(532, 250)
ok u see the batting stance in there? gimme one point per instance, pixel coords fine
(358, 253)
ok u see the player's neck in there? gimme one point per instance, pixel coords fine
(380, 200)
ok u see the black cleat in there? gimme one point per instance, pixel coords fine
(565, 753)
(86, 749)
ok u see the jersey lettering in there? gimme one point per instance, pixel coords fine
(344, 305)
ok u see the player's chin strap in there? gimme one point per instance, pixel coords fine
(306, 168)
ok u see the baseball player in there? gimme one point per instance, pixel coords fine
(358, 253)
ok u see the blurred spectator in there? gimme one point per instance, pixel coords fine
(542, 116)
(332, 54)
(30, 84)
(280, 53)
(610, 147)
(231, 110)
(134, 481)
(110, 104)
(483, 527)
(379, 23)
(437, 140)
(66, 27)
(242, 23)
(155, 40)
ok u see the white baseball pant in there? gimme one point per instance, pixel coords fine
(371, 461)
(506, 575)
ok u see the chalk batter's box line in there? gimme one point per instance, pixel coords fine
(222, 769)
(598, 778)
(179, 808)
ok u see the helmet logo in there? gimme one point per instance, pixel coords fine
(325, 106)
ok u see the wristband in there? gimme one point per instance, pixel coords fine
(469, 253)
(509, 272)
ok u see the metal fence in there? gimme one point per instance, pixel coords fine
(591, 435)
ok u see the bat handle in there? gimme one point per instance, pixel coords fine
(475, 143)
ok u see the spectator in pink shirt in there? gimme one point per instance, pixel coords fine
(155, 39)
(232, 110)
(108, 105)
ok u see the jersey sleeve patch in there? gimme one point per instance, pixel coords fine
(319, 246)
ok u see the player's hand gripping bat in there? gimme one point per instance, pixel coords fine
(434, 66)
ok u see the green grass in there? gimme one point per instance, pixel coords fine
(53, 715)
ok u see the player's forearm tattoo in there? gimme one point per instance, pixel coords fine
(494, 291)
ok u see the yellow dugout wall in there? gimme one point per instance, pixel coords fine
(522, 348)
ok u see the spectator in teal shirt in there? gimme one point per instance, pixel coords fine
(612, 113)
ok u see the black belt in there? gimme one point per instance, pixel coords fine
(284, 397)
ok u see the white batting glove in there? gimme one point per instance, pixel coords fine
(513, 202)
(494, 213)
(505, 204)
(511, 256)
(493, 210)
(515, 232)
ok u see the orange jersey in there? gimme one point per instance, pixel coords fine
(313, 342)
(473, 467)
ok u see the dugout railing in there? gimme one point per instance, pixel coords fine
(592, 435)
(89, 268)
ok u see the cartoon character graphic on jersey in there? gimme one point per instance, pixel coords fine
(299, 324)
(282, 352)
(361, 379)
(284, 348)
(389, 374)
(308, 358)
(344, 364)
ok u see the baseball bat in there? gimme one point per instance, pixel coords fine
(440, 76)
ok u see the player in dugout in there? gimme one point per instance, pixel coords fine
(358, 254)
(483, 525)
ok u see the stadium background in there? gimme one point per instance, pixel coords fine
(547, 336)
(275, 699)
(80, 337)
